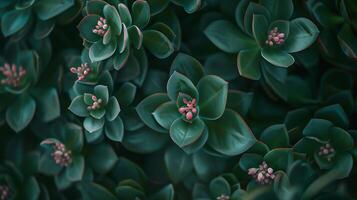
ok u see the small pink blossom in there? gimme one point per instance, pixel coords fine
(189, 110)
(13, 75)
(101, 28)
(275, 37)
(81, 71)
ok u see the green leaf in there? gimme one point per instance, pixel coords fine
(253, 9)
(129, 192)
(98, 113)
(95, 7)
(230, 135)
(178, 164)
(140, 11)
(86, 26)
(157, 6)
(240, 12)
(114, 130)
(31, 189)
(260, 29)
(347, 41)
(112, 109)
(92, 125)
(249, 63)
(126, 94)
(340, 170)
(213, 97)
(207, 166)
(107, 36)
(78, 107)
(277, 57)
(144, 140)
(303, 33)
(125, 14)
(101, 157)
(147, 106)
(189, 6)
(325, 16)
(136, 36)
(48, 9)
(120, 59)
(197, 145)
(166, 114)
(43, 29)
(98, 51)
(93, 191)
(185, 133)
(101, 92)
(318, 128)
(164, 29)
(20, 113)
(73, 137)
(219, 186)
(13, 21)
(279, 159)
(112, 16)
(239, 101)
(123, 40)
(188, 66)
(75, 170)
(179, 83)
(275, 136)
(341, 140)
(20, 5)
(333, 113)
(279, 9)
(250, 160)
(231, 40)
(166, 193)
(48, 105)
(158, 44)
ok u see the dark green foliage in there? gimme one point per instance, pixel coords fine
(178, 99)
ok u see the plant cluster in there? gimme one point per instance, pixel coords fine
(178, 99)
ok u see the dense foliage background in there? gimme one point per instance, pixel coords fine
(178, 99)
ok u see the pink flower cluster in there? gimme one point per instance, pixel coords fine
(189, 110)
(101, 28)
(81, 71)
(326, 150)
(4, 192)
(223, 197)
(13, 75)
(263, 174)
(96, 103)
(275, 37)
(61, 155)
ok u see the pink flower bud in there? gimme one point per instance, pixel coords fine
(252, 171)
(189, 116)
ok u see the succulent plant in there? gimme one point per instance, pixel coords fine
(17, 181)
(195, 114)
(263, 34)
(223, 187)
(100, 112)
(337, 29)
(62, 155)
(19, 16)
(110, 31)
(20, 100)
(324, 142)
(142, 99)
